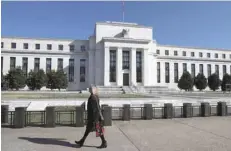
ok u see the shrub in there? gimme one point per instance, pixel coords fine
(200, 82)
(186, 81)
(226, 80)
(214, 82)
(16, 78)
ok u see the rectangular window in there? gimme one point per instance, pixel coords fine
(192, 54)
(25, 46)
(217, 69)
(82, 70)
(13, 45)
(230, 56)
(25, 65)
(193, 70)
(176, 76)
(60, 47)
(82, 48)
(216, 55)
(208, 55)
(72, 48)
(112, 66)
(2, 64)
(48, 65)
(126, 58)
(224, 69)
(37, 46)
(223, 56)
(209, 69)
(184, 67)
(184, 53)
(49, 46)
(175, 53)
(201, 54)
(60, 64)
(12, 63)
(157, 51)
(71, 70)
(201, 68)
(138, 66)
(158, 72)
(166, 52)
(166, 72)
(36, 64)
(2, 45)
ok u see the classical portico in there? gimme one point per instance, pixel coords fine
(126, 63)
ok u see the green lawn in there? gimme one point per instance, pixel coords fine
(62, 95)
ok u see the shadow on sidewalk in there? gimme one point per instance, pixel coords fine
(52, 141)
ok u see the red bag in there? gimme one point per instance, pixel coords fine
(99, 129)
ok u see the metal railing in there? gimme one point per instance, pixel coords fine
(68, 117)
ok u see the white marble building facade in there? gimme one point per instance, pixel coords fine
(117, 54)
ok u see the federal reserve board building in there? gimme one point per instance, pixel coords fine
(117, 54)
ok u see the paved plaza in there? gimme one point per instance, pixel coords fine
(181, 134)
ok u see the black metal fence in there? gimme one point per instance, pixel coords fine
(68, 118)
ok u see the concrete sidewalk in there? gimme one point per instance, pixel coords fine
(192, 134)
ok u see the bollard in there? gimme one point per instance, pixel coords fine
(205, 109)
(79, 116)
(168, 110)
(187, 110)
(4, 116)
(126, 112)
(107, 115)
(148, 112)
(221, 108)
(50, 116)
(19, 121)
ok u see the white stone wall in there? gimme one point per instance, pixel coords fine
(107, 36)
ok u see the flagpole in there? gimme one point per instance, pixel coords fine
(123, 10)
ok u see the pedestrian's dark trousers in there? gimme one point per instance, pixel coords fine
(88, 130)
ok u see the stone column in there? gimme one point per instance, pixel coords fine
(119, 78)
(106, 65)
(107, 114)
(5, 109)
(91, 67)
(133, 66)
(19, 117)
(79, 116)
(187, 110)
(148, 111)
(168, 110)
(126, 112)
(205, 109)
(145, 67)
(221, 108)
(50, 116)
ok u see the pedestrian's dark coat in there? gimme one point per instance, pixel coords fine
(93, 113)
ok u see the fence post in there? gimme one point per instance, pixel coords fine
(79, 116)
(205, 109)
(221, 108)
(187, 110)
(50, 116)
(20, 113)
(148, 112)
(168, 110)
(126, 112)
(4, 116)
(107, 115)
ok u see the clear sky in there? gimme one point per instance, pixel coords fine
(199, 24)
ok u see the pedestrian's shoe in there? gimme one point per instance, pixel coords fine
(80, 143)
(103, 145)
